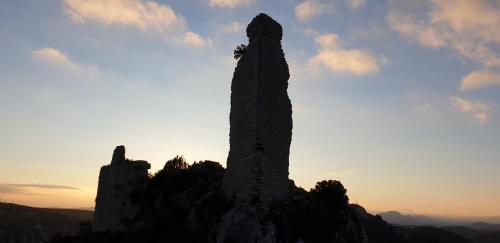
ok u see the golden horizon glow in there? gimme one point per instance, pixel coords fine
(398, 100)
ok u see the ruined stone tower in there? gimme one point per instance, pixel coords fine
(260, 118)
(117, 181)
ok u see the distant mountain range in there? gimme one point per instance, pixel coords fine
(475, 232)
(25, 224)
(397, 218)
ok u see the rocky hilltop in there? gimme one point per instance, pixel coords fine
(253, 200)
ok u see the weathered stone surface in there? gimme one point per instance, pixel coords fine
(243, 225)
(260, 118)
(116, 182)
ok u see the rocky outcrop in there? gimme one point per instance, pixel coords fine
(246, 225)
(260, 136)
(252, 201)
(117, 181)
(260, 118)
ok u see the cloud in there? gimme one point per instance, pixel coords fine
(468, 27)
(27, 188)
(356, 4)
(229, 3)
(141, 14)
(312, 8)
(56, 58)
(333, 57)
(193, 39)
(477, 109)
(425, 35)
(45, 186)
(6, 188)
(233, 27)
(147, 15)
(310, 32)
(480, 79)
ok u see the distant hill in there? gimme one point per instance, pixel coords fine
(430, 234)
(397, 218)
(25, 224)
(484, 226)
(494, 219)
(464, 231)
(86, 208)
(420, 228)
(476, 236)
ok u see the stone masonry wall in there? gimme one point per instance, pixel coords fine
(116, 181)
(260, 118)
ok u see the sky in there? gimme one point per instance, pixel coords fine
(399, 100)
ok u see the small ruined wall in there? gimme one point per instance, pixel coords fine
(116, 182)
(260, 117)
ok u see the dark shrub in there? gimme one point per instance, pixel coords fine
(331, 192)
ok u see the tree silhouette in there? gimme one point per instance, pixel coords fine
(331, 192)
(177, 163)
(239, 51)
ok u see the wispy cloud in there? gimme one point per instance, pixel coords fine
(407, 25)
(356, 4)
(233, 27)
(46, 186)
(310, 32)
(351, 174)
(142, 14)
(333, 57)
(58, 59)
(193, 39)
(478, 110)
(28, 188)
(229, 3)
(480, 79)
(470, 28)
(312, 8)
(6, 188)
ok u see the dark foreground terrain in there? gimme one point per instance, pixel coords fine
(183, 203)
(25, 224)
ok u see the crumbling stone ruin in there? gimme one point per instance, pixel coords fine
(252, 201)
(260, 118)
(260, 135)
(116, 182)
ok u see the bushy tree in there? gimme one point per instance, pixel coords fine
(177, 163)
(239, 51)
(331, 192)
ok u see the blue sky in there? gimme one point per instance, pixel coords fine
(397, 99)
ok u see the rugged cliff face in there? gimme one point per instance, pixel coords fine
(260, 118)
(117, 181)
